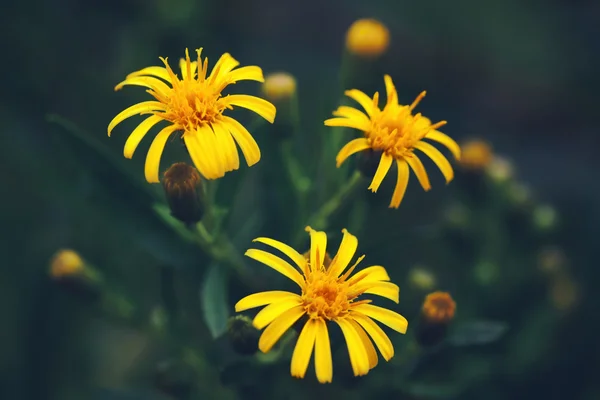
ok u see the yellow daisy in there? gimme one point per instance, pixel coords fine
(195, 106)
(327, 294)
(396, 133)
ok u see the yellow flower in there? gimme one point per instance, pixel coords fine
(367, 37)
(66, 263)
(396, 133)
(195, 106)
(327, 294)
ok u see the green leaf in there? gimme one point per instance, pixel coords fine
(477, 333)
(213, 295)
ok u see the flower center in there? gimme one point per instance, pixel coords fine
(326, 297)
(395, 130)
(192, 104)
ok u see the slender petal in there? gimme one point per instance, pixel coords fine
(155, 152)
(184, 69)
(263, 298)
(387, 317)
(244, 139)
(296, 257)
(201, 153)
(277, 264)
(371, 274)
(351, 113)
(384, 289)
(304, 348)
(249, 73)
(361, 98)
(145, 81)
(222, 67)
(138, 134)
(359, 359)
(446, 141)
(417, 166)
(159, 72)
(318, 248)
(390, 90)
(136, 109)
(345, 254)
(401, 183)
(384, 166)
(352, 147)
(323, 360)
(371, 353)
(438, 158)
(227, 145)
(274, 310)
(260, 106)
(382, 341)
(348, 123)
(277, 328)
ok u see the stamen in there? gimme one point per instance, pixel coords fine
(418, 100)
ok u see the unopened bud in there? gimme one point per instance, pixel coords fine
(184, 192)
(367, 38)
(436, 315)
(70, 270)
(242, 335)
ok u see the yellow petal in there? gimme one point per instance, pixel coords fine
(260, 106)
(215, 158)
(359, 359)
(145, 81)
(318, 248)
(201, 154)
(382, 341)
(154, 153)
(263, 298)
(323, 360)
(183, 66)
(348, 123)
(296, 257)
(384, 289)
(304, 348)
(438, 158)
(138, 134)
(446, 141)
(249, 73)
(373, 273)
(344, 255)
(361, 98)
(384, 166)
(224, 65)
(244, 139)
(277, 264)
(226, 144)
(352, 147)
(277, 328)
(401, 184)
(159, 72)
(351, 113)
(387, 317)
(417, 166)
(371, 353)
(140, 108)
(274, 310)
(390, 90)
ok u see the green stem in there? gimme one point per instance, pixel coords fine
(320, 219)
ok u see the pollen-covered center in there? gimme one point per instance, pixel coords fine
(325, 297)
(192, 104)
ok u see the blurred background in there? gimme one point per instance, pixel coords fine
(512, 240)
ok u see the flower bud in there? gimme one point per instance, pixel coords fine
(242, 335)
(184, 192)
(436, 314)
(71, 272)
(367, 38)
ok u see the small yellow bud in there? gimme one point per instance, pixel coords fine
(421, 278)
(367, 38)
(475, 155)
(500, 169)
(66, 263)
(279, 86)
(436, 314)
(183, 189)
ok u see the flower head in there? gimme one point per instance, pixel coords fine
(195, 106)
(367, 37)
(396, 133)
(476, 155)
(439, 307)
(327, 294)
